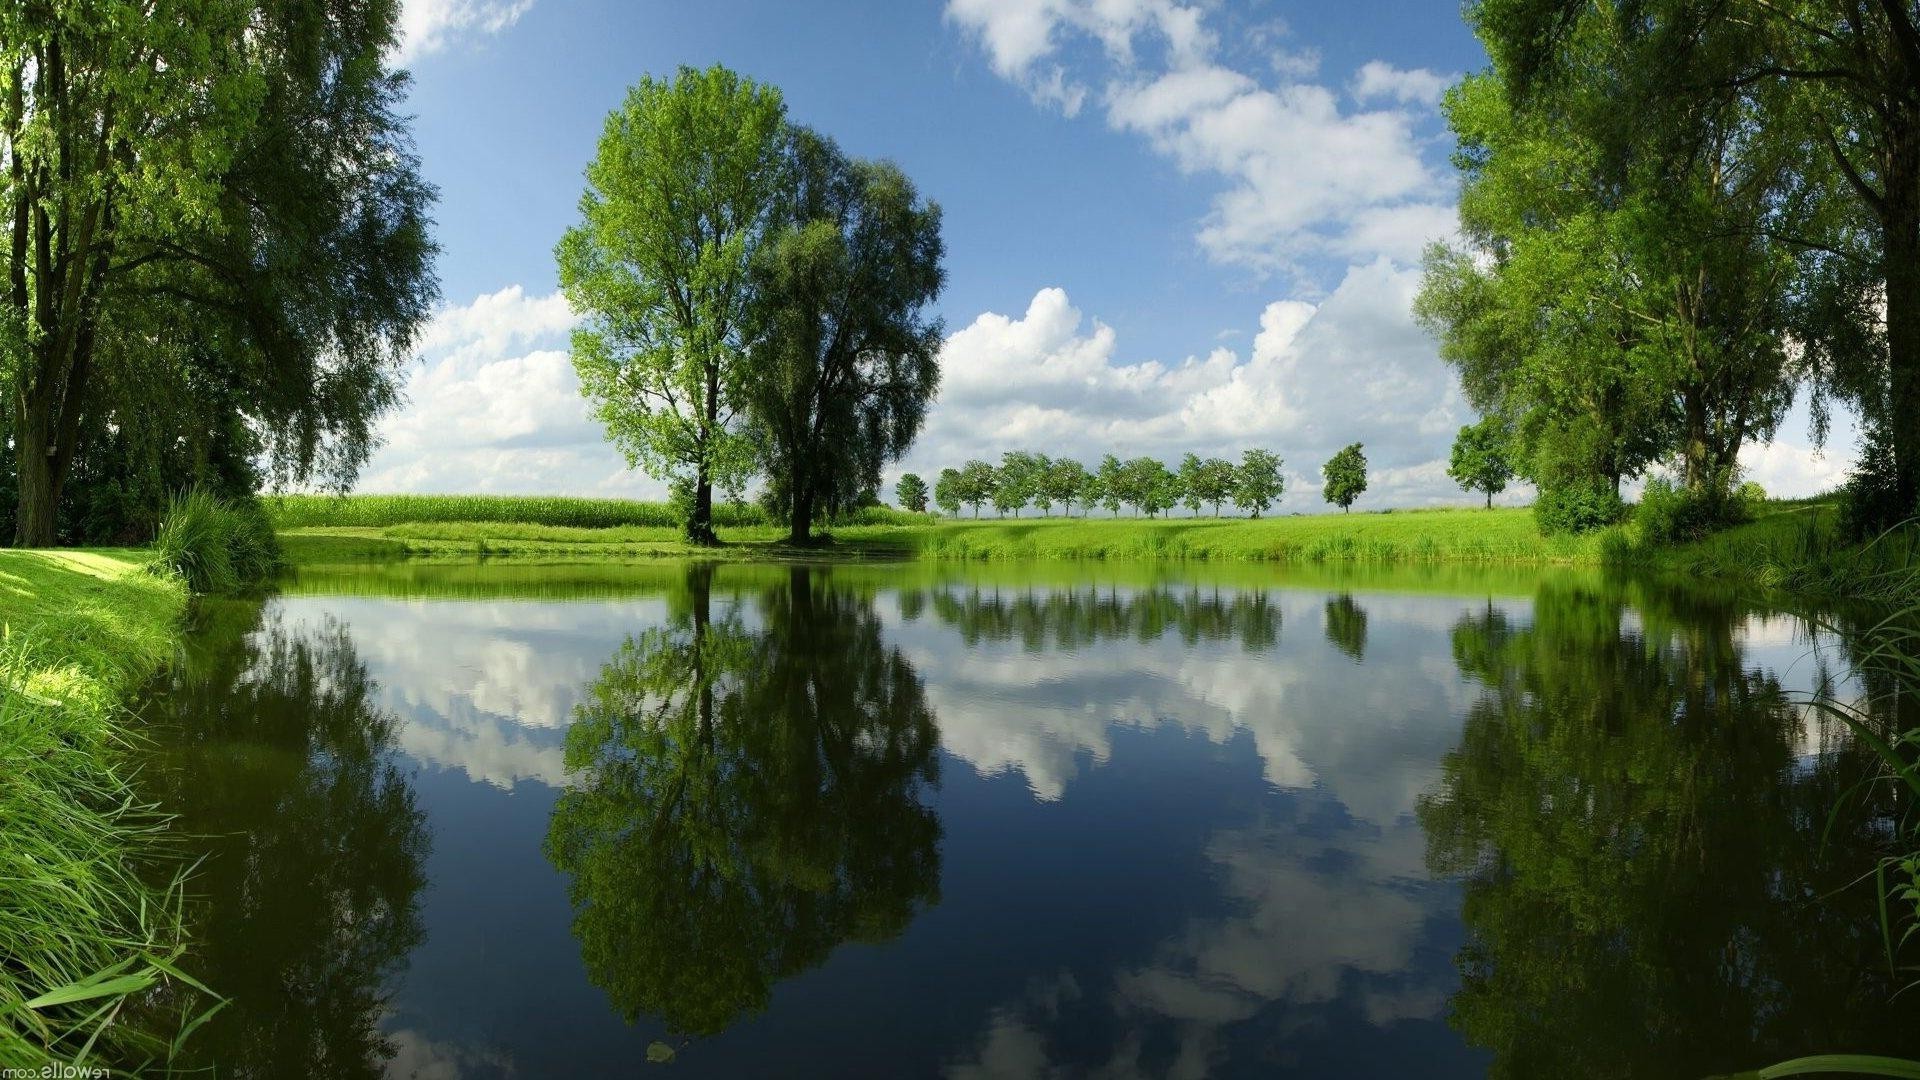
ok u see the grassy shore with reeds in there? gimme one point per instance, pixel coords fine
(83, 929)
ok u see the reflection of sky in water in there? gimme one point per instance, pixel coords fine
(1161, 857)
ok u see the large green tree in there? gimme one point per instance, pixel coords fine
(845, 357)
(1480, 461)
(680, 198)
(217, 254)
(1834, 87)
(1257, 482)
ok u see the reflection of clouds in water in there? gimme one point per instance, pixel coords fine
(485, 687)
(1372, 733)
(417, 1057)
(1312, 920)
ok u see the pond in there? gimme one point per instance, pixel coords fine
(1087, 819)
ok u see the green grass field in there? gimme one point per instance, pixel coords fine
(81, 926)
(513, 526)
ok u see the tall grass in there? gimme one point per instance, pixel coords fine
(215, 545)
(83, 929)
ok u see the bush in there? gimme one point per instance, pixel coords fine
(1669, 514)
(1577, 506)
(215, 545)
(1872, 502)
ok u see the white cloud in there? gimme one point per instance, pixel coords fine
(1353, 367)
(427, 26)
(1377, 80)
(493, 406)
(1303, 177)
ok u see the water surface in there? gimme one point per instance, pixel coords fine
(513, 820)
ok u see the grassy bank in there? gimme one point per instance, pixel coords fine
(548, 527)
(81, 927)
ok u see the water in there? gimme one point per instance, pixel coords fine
(490, 820)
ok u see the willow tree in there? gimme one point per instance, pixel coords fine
(215, 223)
(845, 358)
(678, 199)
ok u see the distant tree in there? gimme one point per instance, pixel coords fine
(1043, 496)
(978, 481)
(1152, 487)
(1019, 479)
(1066, 481)
(1480, 459)
(679, 196)
(1112, 486)
(1257, 483)
(1191, 483)
(1206, 482)
(946, 491)
(846, 357)
(1346, 477)
(912, 493)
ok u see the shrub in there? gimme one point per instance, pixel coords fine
(215, 545)
(1670, 514)
(1872, 502)
(1577, 506)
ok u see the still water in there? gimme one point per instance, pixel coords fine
(511, 820)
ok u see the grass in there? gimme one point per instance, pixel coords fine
(82, 928)
(378, 511)
(552, 528)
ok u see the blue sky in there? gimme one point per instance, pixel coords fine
(1171, 225)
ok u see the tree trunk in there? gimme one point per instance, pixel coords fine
(700, 522)
(36, 521)
(1489, 500)
(800, 526)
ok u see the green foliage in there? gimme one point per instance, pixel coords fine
(1480, 459)
(1149, 486)
(845, 356)
(1066, 481)
(1872, 502)
(228, 260)
(946, 491)
(978, 484)
(1109, 484)
(1577, 506)
(1208, 482)
(215, 545)
(912, 493)
(1257, 482)
(1017, 481)
(679, 196)
(1670, 514)
(1345, 477)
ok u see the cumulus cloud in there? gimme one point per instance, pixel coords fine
(427, 26)
(1304, 177)
(493, 406)
(1352, 367)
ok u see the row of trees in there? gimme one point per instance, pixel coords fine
(1674, 215)
(1146, 484)
(754, 300)
(217, 251)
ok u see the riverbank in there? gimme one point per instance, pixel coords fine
(81, 926)
(1484, 536)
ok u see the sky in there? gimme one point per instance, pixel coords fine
(1172, 226)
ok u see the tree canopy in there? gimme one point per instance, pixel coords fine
(1345, 476)
(1479, 460)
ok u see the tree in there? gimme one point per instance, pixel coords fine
(947, 489)
(1019, 481)
(1206, 482)
(218, 255)
(680, 196)
(1345, 476)
(1191, 483)
(1257, 483)
(1042, 491)
(912, 493)
(844, 358)
(978, 483)
(1839, 84)
(1150, 486)
(1066, 481)
(1111, 484)
(1479, 461)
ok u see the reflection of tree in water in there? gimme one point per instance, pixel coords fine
(1074, 618)
(1347, 626)
(278, 764)
(744, 800)
(1647, 891)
